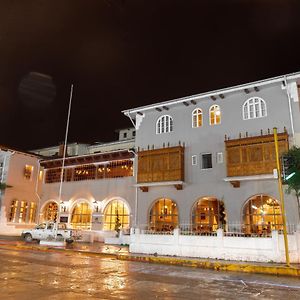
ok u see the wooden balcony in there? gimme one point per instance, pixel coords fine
(160, 165)
(254, 155)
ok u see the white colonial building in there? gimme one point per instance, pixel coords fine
(19, 201)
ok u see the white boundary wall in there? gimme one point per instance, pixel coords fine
(260, 249)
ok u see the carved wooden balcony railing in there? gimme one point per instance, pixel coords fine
(254, 155)
(158, 165)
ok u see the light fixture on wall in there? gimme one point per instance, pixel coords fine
(63, 206)
(96, 206)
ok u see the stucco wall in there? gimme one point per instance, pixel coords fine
(199, 183)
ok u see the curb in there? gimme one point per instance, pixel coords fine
(217, 266)
(280, 270)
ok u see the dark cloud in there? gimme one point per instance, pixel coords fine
(121, 54)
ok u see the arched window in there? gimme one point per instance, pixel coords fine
(214, 115)
(261, 215)
(163, 215)
(254, 108)
(116, 215)
(197, 118)
(50, 212)
(208, 214)
(81, 216)
(164, 124)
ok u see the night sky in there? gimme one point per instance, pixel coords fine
(122, 54)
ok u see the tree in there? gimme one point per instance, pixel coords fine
(293, 169)
(117, 223)
(3, 186)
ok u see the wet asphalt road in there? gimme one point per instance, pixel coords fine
(47, 275)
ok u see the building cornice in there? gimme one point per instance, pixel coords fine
(214, 93)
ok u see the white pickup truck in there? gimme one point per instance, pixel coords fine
(49, 231)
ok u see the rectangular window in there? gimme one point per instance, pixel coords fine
(32, 212)
(13, 211)
(206, 161)
(23, 212)
(194, 160)
(125, 135)
(133, 133)
(1, 170)
(219, 157)
(28, 172)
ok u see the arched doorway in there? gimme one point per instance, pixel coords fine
(50, 212)
(116, 215)
(208, 214)
(81, 216)
(261, 215)
(163, 215)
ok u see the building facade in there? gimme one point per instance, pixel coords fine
(97, 191)
(20, 199)
(207, 161)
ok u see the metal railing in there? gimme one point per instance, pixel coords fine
(233, 229)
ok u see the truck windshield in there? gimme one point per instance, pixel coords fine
(41, 226)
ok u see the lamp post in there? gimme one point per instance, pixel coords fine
(286, 246)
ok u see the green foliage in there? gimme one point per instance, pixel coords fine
(294, 182)
(3, 186)
(117, 223)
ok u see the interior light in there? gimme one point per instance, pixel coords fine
(253, 206)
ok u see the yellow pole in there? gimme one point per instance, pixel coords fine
(286, 246)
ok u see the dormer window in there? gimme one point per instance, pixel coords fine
(254, 108)
(164, 124)
(197, 118)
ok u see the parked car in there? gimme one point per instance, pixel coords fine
(49, 231)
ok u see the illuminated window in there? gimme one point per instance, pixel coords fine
(214, 115)
(81, 216)
(13, 211)
(254, 108)
(208, 215)
(116, 215)
(164, 124)
(28, 172)
(163, 215)
(41, 175)
(50, 212)
(53, 175)
(261, 215)
(197, 118)
(32, 212)
(23, 211)
(85, 172)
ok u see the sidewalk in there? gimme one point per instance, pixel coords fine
(121, 253)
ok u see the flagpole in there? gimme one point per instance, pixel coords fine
(64, 153)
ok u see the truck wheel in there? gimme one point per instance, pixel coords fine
(28, 237)
(69, 241)
(59, 237)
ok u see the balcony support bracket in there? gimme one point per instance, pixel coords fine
(235, 183)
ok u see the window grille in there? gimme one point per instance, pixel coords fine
(197, 118)
(254, 108)
(164, 124)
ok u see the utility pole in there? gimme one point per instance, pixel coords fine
(286, 246)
